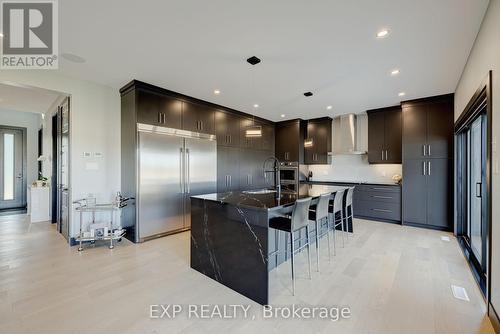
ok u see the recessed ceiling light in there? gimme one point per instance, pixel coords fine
(1, 35)
(395, 72)
(329, 107)
(216, 92)
(282, 115)
(73, 58)
(382, 33)
(402, 94)
(256, 105)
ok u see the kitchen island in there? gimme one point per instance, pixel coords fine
(232, 243)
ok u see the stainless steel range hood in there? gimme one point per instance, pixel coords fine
(350, 134)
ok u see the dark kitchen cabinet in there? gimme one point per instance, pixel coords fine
(320, 132)
(228, 171)
(227, 129)
(384, 136)
(198, 118)
(267, 142)
(428, 128)
(289, 144)
(246, 141)
(428, 162)
(159, 110)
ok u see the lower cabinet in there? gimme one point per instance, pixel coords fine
(427, 196)
(228, 168)
(379, 202)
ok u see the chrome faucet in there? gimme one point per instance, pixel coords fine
(276, 171)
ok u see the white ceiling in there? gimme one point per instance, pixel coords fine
(26, 99)
(327, 47)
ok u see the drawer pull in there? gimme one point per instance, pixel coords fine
(381, 210)
(385, 197)
(379, 188)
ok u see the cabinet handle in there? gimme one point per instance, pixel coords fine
(423, 148)
(423, 168)
(478, 189)
(229, 139)
(374, 188)
(429, 150)
(429, 168)
(159, 117)
(164, 118)
(382, 154)
(230, 180)
(382, 210)
(385, 197)
(201, 125)
(386, 155)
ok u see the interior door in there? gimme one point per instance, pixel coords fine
(161, 198)
(12, 180)
(63, 170)
(201, 171)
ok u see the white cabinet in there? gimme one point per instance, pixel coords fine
(39, 204)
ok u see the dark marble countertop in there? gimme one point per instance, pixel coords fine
(268, 201)
(333, 182)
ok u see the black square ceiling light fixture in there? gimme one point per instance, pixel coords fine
(307, 94)
(253, 60)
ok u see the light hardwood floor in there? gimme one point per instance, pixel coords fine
(394, 279)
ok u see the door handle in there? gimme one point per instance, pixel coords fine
(20, 176)
(181, 179)
(188, 183)
(479, 187)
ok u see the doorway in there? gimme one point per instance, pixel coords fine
(473, 188)
(12, 168)
(60, 167)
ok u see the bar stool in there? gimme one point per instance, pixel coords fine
(298, 220)
(335, 210)
(319, 215)
(348, 210)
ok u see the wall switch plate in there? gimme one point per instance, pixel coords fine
(97, 154)
(87, 154)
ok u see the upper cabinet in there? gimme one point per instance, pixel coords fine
(289, 143)
(156, 109)
(263, 142)
(319, 132)
(227, 129)
(384, 135)
(428, 128)
(198, 118)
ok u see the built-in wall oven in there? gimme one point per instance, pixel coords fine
(289, 177)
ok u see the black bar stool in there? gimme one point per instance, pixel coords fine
(348, 210)
(298, 220)
(319, 215)
(336, 214)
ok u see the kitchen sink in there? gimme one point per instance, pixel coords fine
(258, 191)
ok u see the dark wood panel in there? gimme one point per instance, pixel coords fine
(158, 110)
(228, 163)
(440, 117)
(439, 194)
(414, 131)
(227, 129)
(414, 191)
(393, 136)
(376, 131)
(198, 118)
(320, 131)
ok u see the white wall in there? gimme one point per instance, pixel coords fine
(95, 127)
(32, 122)
(354, 168)
(485, 56)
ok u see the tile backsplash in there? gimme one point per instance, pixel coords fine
(354, 168)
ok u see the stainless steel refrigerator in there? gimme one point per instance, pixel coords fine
(172, 166)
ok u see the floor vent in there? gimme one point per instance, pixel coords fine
(445, 238)
(459, 293)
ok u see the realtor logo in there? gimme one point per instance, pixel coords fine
(30, 35)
